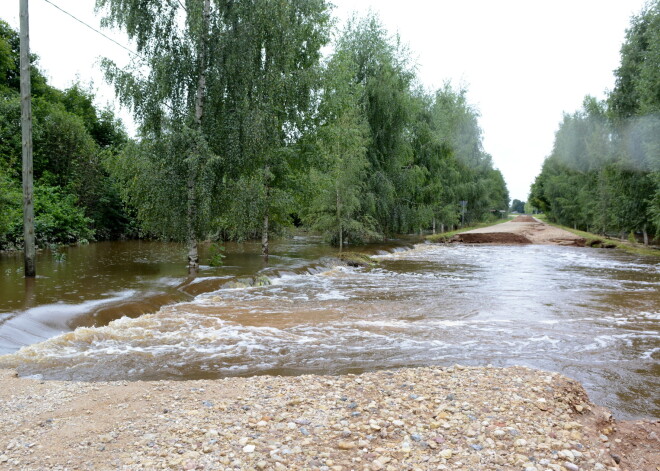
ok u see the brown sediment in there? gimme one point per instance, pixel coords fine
(524, 218)
(507, 238)
(452, 418)
(636, 444)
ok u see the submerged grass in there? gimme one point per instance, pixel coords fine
(357, 259)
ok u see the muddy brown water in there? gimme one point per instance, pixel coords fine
(127, 311)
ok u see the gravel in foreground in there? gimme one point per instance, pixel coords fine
(457, 418)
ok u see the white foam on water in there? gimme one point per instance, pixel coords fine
(649, 315)
(201, 279)
(648, 355)
(42, 322)
(163, 281)
(331, 294)
(554, 342)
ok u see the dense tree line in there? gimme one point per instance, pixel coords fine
(245, 129)
(75, 197)
(603, 174)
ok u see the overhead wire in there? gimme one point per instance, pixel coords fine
(105, 35)
(94, 29)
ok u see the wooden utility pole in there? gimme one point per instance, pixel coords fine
(26, 128)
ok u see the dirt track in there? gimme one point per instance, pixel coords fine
(521, 230)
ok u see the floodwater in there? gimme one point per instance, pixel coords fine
(591, 314)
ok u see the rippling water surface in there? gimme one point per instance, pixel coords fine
(593, 315)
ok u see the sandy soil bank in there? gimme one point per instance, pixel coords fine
(521, 230)
(454, 418)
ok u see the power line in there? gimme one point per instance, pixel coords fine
(94, 29)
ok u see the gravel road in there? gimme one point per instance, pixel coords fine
(457, 418)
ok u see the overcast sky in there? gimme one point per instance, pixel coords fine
(524, 62)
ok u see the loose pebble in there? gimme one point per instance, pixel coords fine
(409, 419)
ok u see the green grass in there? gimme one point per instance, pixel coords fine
(598, 241)
(357, 259)
(443, 237)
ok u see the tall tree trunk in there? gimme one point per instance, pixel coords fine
(200, 94)
(264, 238)
(434, 225)
(266, 228)
(341, 231)
(203, 59)
(646, 235)
(191, 216)
(26, 129)
(442, 227)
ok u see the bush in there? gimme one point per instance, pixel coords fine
(10, 208)
(58, 220)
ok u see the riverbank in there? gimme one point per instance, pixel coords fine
(599, 241)
(417, 418)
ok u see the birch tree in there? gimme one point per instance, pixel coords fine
(236, 79)
(166, 87)
(342, 139)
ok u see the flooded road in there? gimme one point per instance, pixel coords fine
(590, 314)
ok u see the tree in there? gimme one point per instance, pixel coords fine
(635, 108)
(233, 78)
(339, 179)
(637, 88)
(272, 70)
(456, 124)
(602, 172)
(73, 138)
(517, 206)
(176, 47)
(382, 68)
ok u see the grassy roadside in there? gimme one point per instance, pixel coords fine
(445, 236)
(598, 241)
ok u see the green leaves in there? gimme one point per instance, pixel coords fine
(75, 198)
(602, 174)
(637, 89)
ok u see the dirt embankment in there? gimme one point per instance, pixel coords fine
(507, 238)
(521, 230)
(457, 418)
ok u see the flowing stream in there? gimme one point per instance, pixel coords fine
(126, 311)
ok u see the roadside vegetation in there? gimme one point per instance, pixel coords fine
(76, 198)
(599, 241)
(246, 133)
(603, 174)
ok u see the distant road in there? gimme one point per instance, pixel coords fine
(521, 230)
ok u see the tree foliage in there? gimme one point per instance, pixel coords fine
(241, 74)
(401, 157)
(75, 197)
(603, 172)
(245, 129)
(518, 206)
(340, 174)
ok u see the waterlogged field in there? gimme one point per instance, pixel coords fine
(591, 314)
